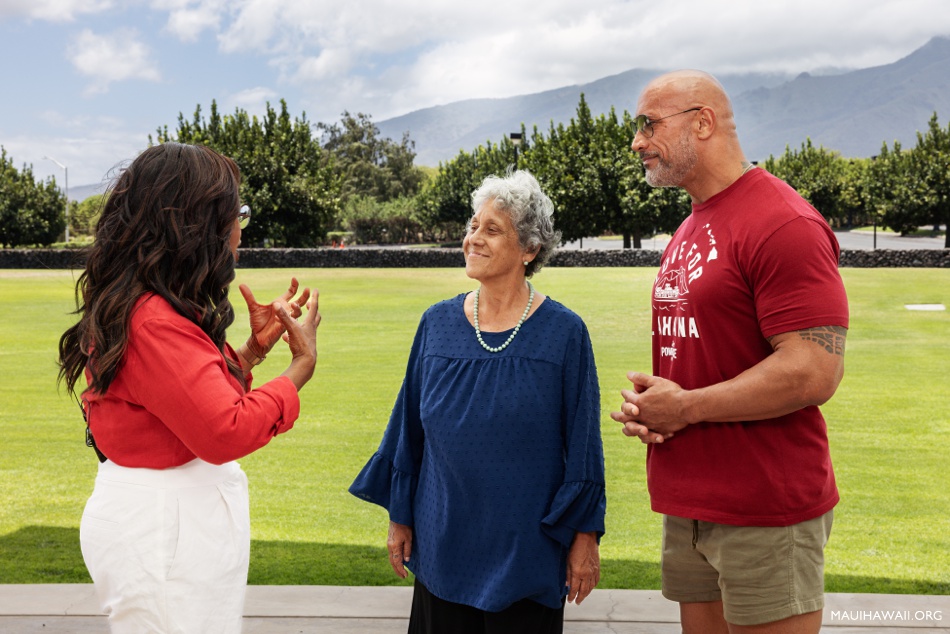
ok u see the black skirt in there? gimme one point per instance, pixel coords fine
(432, 615)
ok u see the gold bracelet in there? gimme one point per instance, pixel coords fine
(252, 361)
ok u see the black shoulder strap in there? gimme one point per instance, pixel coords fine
(90, 441)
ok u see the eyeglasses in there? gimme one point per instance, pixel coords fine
(645, 125)
(244, 216)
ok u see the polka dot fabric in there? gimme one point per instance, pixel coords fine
(494, 459)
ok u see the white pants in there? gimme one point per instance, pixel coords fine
(168, 549)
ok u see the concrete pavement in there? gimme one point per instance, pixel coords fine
(848, 240)
(72, 609)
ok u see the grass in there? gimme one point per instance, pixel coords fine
(889, 427)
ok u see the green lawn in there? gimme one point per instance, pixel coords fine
(890, 430)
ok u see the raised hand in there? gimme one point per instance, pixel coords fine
(266, 326)
(301, 338)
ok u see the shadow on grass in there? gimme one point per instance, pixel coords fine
(50, 554)
(42, 554)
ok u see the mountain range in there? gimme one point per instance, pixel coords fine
(853, 112)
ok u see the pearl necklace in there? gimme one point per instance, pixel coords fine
(524, 315)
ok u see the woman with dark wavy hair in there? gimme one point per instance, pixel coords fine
(166, 532)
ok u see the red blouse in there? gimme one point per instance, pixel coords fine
(173, 398)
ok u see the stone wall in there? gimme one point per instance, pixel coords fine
(448, 258)
(918, 258)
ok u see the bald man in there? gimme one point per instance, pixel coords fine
(749, 325)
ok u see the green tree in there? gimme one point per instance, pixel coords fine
(649, 210)
(930, 162)
(898, 190)
(369, 165)
(84, 215)
(446, 203)
(586, 167)
(565, 166)
(287, 178)
(815, 173)
(447, 200)
(596, 182)
(633, 208)
(31, 213)
(855, 204)
(391, 222)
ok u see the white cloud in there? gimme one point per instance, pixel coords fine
(52, 10)
(392, 57)
(257, 22)
(90, 154)
(253, 100)
(76, 124)
(188, 19)
(330, 63)
(118, 56)
(389, 57)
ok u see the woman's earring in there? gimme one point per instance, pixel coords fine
(526, 263)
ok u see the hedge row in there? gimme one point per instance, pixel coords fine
(447, 258)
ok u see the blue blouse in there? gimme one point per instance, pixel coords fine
(494, 459)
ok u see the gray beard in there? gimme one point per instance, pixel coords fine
(670, 173)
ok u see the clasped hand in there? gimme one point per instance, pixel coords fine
(651, 410)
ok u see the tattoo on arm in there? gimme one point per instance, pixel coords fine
(831, 338)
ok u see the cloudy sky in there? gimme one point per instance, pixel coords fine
(86, 81)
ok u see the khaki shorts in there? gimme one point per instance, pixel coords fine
(761, 574)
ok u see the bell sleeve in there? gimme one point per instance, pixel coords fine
(390, 476)
(580, 504)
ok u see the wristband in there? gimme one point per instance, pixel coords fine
(252, 359)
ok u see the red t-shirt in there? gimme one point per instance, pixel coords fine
(754, 261)
(174, 399)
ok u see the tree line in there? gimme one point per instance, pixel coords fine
(31, 212)
(598, 186)
(316, 184)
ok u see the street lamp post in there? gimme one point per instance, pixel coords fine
(65, 190)
(515, 141)
(874, 216)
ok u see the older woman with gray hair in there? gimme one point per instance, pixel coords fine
(492, 467)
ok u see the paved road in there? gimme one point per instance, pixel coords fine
(849, 240)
